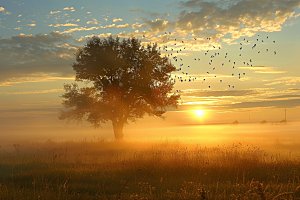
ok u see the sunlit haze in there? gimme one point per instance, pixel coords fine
(237, 67)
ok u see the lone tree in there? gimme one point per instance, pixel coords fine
(123, 82)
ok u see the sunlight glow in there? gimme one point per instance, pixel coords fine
(199, 113)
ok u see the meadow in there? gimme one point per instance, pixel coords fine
(163, 169)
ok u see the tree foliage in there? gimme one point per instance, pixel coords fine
(125, 81)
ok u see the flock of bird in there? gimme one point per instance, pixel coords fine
(174, 50)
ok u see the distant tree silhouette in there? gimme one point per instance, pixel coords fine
(123, 82)
(235, 122)
(283, 121)
(263, 122)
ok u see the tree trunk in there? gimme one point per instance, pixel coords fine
(118, 130)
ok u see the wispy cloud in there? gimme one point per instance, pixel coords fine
(68, 24)
(54, 12)
(284, 80)
(33, 92)
(80, 29)
(263, 70)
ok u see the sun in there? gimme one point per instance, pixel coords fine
(199, 113)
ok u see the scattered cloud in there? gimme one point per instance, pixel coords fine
(2, 9)
(27, 58)
(100, 35)
(54, 12)
(31, 24)
(123, 26)
(296, 16)
(68, 24)
(80, 29)
(109, 26)
(217, 19)
(67, 8)
(138, 25)
(117, 20)
(93, 22)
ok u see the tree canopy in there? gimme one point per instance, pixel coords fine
(123, 82)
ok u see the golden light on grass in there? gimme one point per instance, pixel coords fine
(199, 113)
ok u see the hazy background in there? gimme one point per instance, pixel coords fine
(38, 40)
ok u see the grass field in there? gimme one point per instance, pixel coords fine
(100, 169)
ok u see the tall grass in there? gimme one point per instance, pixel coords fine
(100, 169)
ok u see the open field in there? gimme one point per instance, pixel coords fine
(100, 169)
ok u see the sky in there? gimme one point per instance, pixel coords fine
(239, 59)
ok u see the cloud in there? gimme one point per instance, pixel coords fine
(289, 103)
(239, 19)
(18, 28)
(123, 26)
(289, 96)
(27, 58)
(93, 22)
(108, 26)
(285, 81)
(157, 26)
(54, 12)
(220, 93)
(100, 35)
(20, 15)
(2, 9)
(33, 92)
(80, 29)
(67, 8)
(68, 24)
(117, 20)
(31, 24)
(263, 70)
(249, 99)
(297, 15)
(138, 25)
